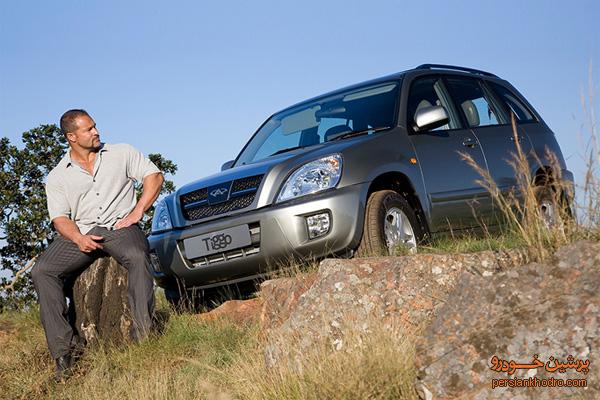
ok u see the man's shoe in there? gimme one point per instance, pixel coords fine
(63, 367)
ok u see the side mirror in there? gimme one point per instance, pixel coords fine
(227, 165)
(428, 118)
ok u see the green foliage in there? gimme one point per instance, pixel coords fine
(167, 167)
(24, 224)
(24, 220)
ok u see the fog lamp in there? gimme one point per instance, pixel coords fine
(318, 224)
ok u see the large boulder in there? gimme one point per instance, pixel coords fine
(100, 303)
(548, 310)
(347, 295)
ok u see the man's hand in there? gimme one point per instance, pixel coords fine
(151, 188)
(133, 218)
(89, 243)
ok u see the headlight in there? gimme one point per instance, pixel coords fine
(312, 177)
(161, 220)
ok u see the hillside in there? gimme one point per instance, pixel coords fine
(424, 326)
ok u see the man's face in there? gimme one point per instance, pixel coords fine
(86, 135)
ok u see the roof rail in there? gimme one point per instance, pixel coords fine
(453, 67)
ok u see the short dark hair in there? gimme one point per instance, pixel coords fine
(67, 121)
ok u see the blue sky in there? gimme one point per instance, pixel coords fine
(193, 80)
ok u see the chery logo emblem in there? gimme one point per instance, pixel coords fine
(218, 192)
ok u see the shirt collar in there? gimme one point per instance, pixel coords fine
(67, 158)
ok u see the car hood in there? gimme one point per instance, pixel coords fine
(258, 168)
(275, 170)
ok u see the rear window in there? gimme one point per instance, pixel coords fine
(512, 103)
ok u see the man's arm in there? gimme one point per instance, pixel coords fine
(151, 189)
(68, 229)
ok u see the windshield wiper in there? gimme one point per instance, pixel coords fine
(342, 136)
(361, 132)
(288, 149)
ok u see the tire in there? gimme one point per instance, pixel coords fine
(403, 232)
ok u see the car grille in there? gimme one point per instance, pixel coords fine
(195, 205)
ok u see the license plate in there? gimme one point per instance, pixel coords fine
(217, 242)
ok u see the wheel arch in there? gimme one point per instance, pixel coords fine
(400, 183)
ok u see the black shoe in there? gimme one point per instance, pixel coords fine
(63, 367)
(77, 348)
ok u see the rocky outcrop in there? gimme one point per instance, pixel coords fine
(551, 310)
(280, 298)
(394, 291)
(461, 310)
(101, 304)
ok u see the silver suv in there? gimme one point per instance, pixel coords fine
(370, 167)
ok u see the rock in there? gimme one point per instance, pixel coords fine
(101, 303)
(395, 291)
(550, 310)
(280, 298)
(277, 298)
(240, 312)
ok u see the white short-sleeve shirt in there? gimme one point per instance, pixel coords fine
(100, 199)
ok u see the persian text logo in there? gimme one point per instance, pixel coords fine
(552, 365)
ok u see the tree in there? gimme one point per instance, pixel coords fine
(25, 229)
(167, 167)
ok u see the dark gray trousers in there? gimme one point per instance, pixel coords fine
(63, 259)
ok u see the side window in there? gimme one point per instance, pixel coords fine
(428, 92)
(512, 103)
(471, 99)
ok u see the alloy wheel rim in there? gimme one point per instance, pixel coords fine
(399, 232)
(548, 212)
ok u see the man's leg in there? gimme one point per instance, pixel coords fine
(130, 248)
(61, 259)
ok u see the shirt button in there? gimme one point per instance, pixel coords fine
(100, 208)
(97, 194)
(98, 217)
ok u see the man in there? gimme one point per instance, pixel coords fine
(92, 204)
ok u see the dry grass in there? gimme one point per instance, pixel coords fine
(523, 217)
(374, 365)
(205, 360)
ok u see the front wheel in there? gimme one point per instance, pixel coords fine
(391, 226)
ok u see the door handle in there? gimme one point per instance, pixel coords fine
(519, 138)
(469, 142)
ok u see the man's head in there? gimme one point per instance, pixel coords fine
(80, 130)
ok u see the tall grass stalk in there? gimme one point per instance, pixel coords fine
(541, 212)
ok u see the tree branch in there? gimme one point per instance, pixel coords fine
(20, 272)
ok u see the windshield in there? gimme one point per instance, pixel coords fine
(323, 120)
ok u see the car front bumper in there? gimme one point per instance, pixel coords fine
(279, 234)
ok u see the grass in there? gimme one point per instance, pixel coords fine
(211, 360)
(470, 243)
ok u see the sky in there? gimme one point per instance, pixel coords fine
(193, 80)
